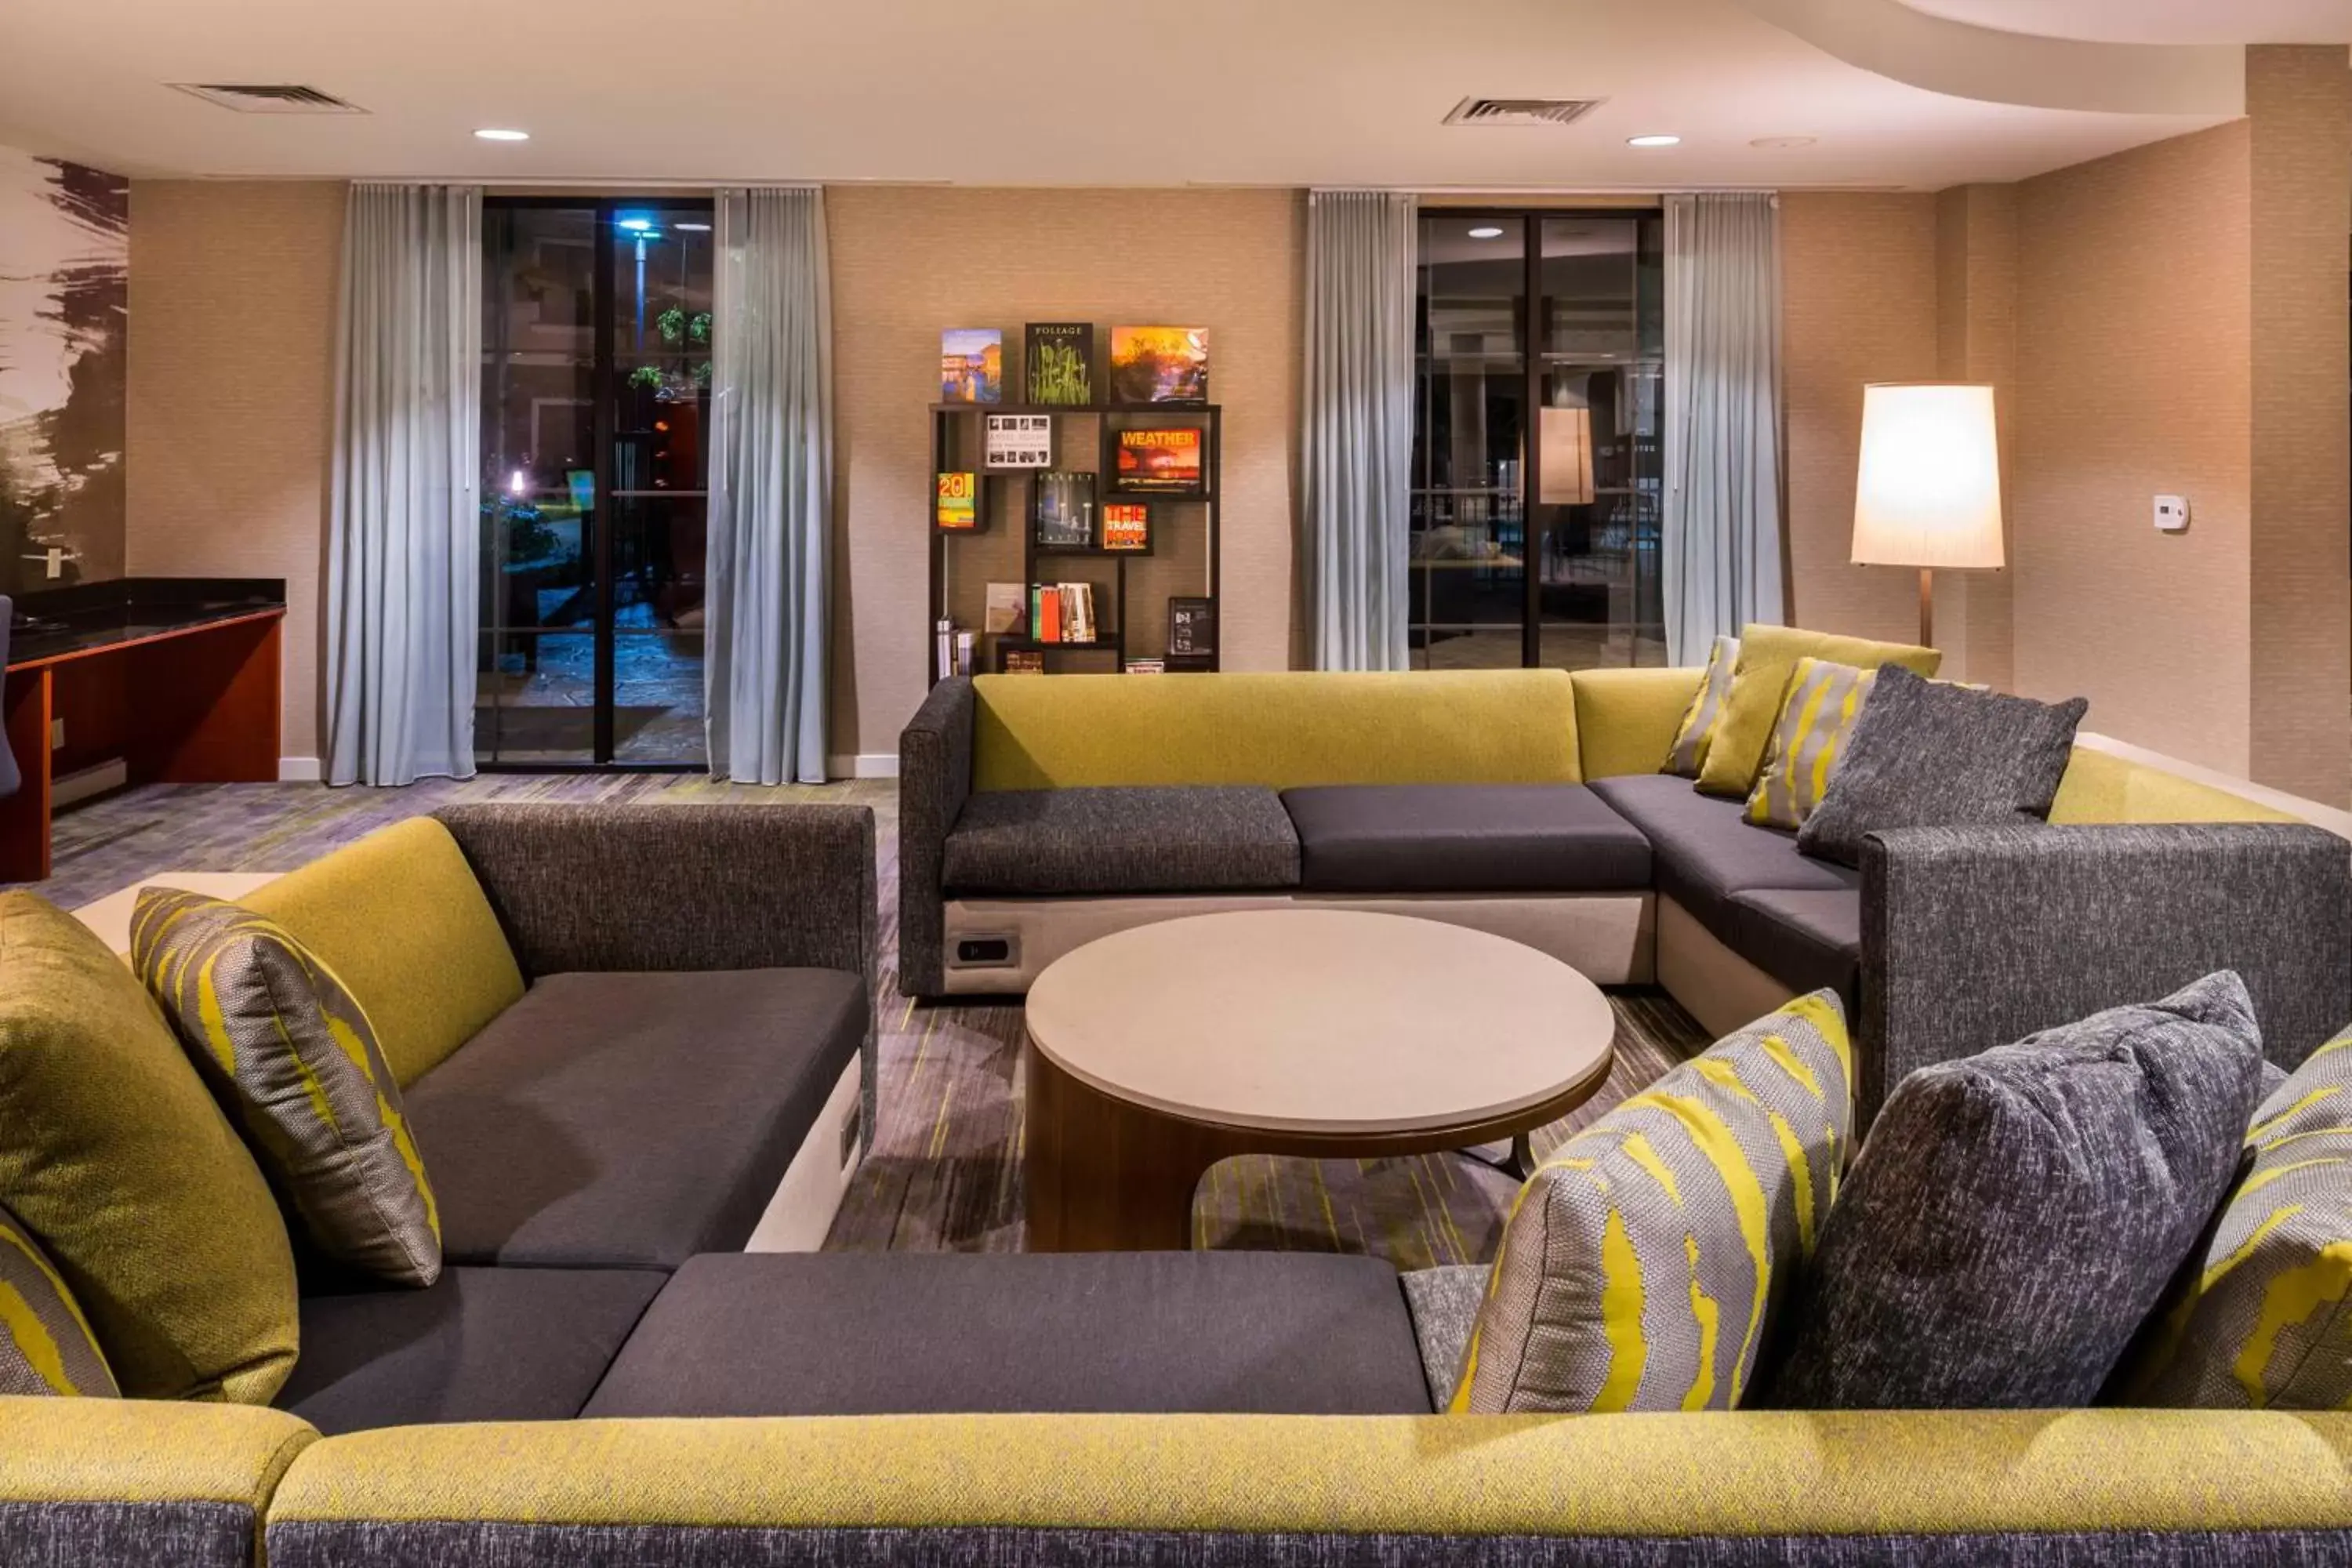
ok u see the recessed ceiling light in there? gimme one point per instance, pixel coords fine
(1658, 140)
(1777, 143)
(500, 133)
(1487, 231)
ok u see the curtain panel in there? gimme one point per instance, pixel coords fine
(404, 522)
(1722, 532)
(1355, 450)
(771, 488)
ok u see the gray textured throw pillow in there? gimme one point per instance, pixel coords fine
(1926, 753)
(2013, 1218)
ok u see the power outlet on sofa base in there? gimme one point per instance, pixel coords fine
(986, 953)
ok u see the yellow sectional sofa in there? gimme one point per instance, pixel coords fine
(88, 1481)
(1031, 811)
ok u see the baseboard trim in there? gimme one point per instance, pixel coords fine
(864, 766)
(301, 770)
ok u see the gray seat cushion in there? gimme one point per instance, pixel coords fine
(1463, 838)
(479, 1345)
(631, 1120)
(880, 1333)
(1199, 838)
(1705, 852)
(2015, 1216)
(1808, 942)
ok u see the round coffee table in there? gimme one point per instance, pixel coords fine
(1157, 1051)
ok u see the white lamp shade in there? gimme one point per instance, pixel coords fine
(1930, 490)
(1566, 435)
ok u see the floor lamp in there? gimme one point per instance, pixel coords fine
(1929, 493)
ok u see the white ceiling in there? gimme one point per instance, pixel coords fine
(1070, 91)
(2159, 21)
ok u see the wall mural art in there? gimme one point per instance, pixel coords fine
(65, 275)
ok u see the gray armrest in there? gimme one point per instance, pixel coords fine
(934, 780)
(603, 889)
(1973, 937)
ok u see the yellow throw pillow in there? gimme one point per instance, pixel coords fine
(46, 1344)
(1766, 655)
(1817, 713)
(1706, 710)
(1641, 1262)
(289, 1056)
(2266, 1321)
(141, 1193)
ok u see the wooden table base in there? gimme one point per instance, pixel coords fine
(1107, 1176)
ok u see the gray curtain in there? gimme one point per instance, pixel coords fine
(1722, 517)
(404, 545)
(770, 488)
(1356, 450)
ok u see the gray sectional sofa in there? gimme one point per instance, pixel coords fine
(1031, 822)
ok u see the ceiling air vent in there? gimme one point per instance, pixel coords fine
(1522, 110)
(268, 98)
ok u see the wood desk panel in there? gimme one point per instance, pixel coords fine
(199, 704)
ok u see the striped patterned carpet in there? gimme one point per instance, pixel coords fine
(944, 1173)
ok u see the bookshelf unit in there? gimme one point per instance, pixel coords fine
(1131, 587)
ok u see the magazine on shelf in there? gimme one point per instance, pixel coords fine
(1159, 364)
(1058, 359)
(1017, 441)
(1006, 604)
(1065, 510)
(1163, 460)
(972, 365)
(1126, 525)
(1192, 625)
(959, 504)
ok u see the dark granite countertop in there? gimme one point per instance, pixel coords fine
(53, 621)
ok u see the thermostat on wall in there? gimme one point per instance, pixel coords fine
(2171, 514)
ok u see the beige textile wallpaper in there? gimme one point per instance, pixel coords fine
(1858, 304)
(231, 403)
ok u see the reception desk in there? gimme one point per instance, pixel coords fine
(176, 677)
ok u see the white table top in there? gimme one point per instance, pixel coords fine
(1320, 1021)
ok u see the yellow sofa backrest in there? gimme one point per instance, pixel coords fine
(2100, 787)
(402, 922)
(1280, 730)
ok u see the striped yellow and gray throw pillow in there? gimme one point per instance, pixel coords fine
(291, 1057)
(1689, 752)
(2266, 1322)
(46, 1344)
(1641, 1260)
(1817, 715)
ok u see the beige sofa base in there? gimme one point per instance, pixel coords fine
(801, 1214)
(1606, 936)
(1722, 990)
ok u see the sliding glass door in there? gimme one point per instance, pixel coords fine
(596, 343)
(1535, 456)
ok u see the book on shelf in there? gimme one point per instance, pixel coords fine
(1126, 525)
(1159, 364)
(1021, 661)
(1006, 605)
(959, 507)
(1065, 510)
(1192, 625)
(1063, 612)
(1017, 441)
(952, 650)
(1058, 358)
(1163, 460)
(972, 365)
(1147, 666)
